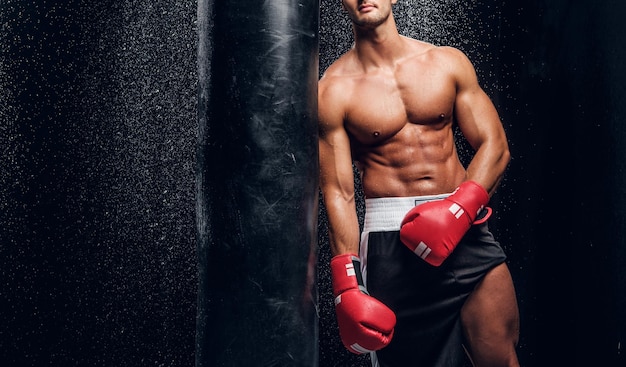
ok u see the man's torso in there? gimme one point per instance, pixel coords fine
(399, 121)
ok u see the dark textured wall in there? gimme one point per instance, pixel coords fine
(562, 65)
(97, 142)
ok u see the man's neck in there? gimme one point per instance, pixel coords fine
(379, 47)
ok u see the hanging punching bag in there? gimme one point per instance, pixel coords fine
(257, 183)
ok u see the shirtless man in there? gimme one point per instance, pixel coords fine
(423, 288)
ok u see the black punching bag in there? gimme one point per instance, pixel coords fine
(257, 183)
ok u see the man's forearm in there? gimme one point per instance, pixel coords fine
(343, 227)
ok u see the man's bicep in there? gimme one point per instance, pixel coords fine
(475, 113)
(335, 152)
(477, 118)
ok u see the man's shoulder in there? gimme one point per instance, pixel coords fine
(431, 50)
(448, 53)
(342, 67)
(340, 74)
(430, 55)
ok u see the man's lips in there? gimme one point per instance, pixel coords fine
(366, 7)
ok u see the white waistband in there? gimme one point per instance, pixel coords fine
(386, 214)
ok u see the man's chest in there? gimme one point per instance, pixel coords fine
(381, 105)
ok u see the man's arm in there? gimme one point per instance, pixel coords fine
(336, 174)
(433, 230)
(365, 324)
(480, 124)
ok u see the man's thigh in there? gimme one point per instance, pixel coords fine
(490, 317)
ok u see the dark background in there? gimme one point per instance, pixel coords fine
(97, 133)
(98, 125)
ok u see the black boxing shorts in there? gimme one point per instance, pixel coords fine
(427, 300)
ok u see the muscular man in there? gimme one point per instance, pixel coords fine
(426, 280)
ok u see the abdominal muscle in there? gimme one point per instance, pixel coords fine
(419, 160)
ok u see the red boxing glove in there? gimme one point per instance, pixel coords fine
(433, 229)
(365, 323)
